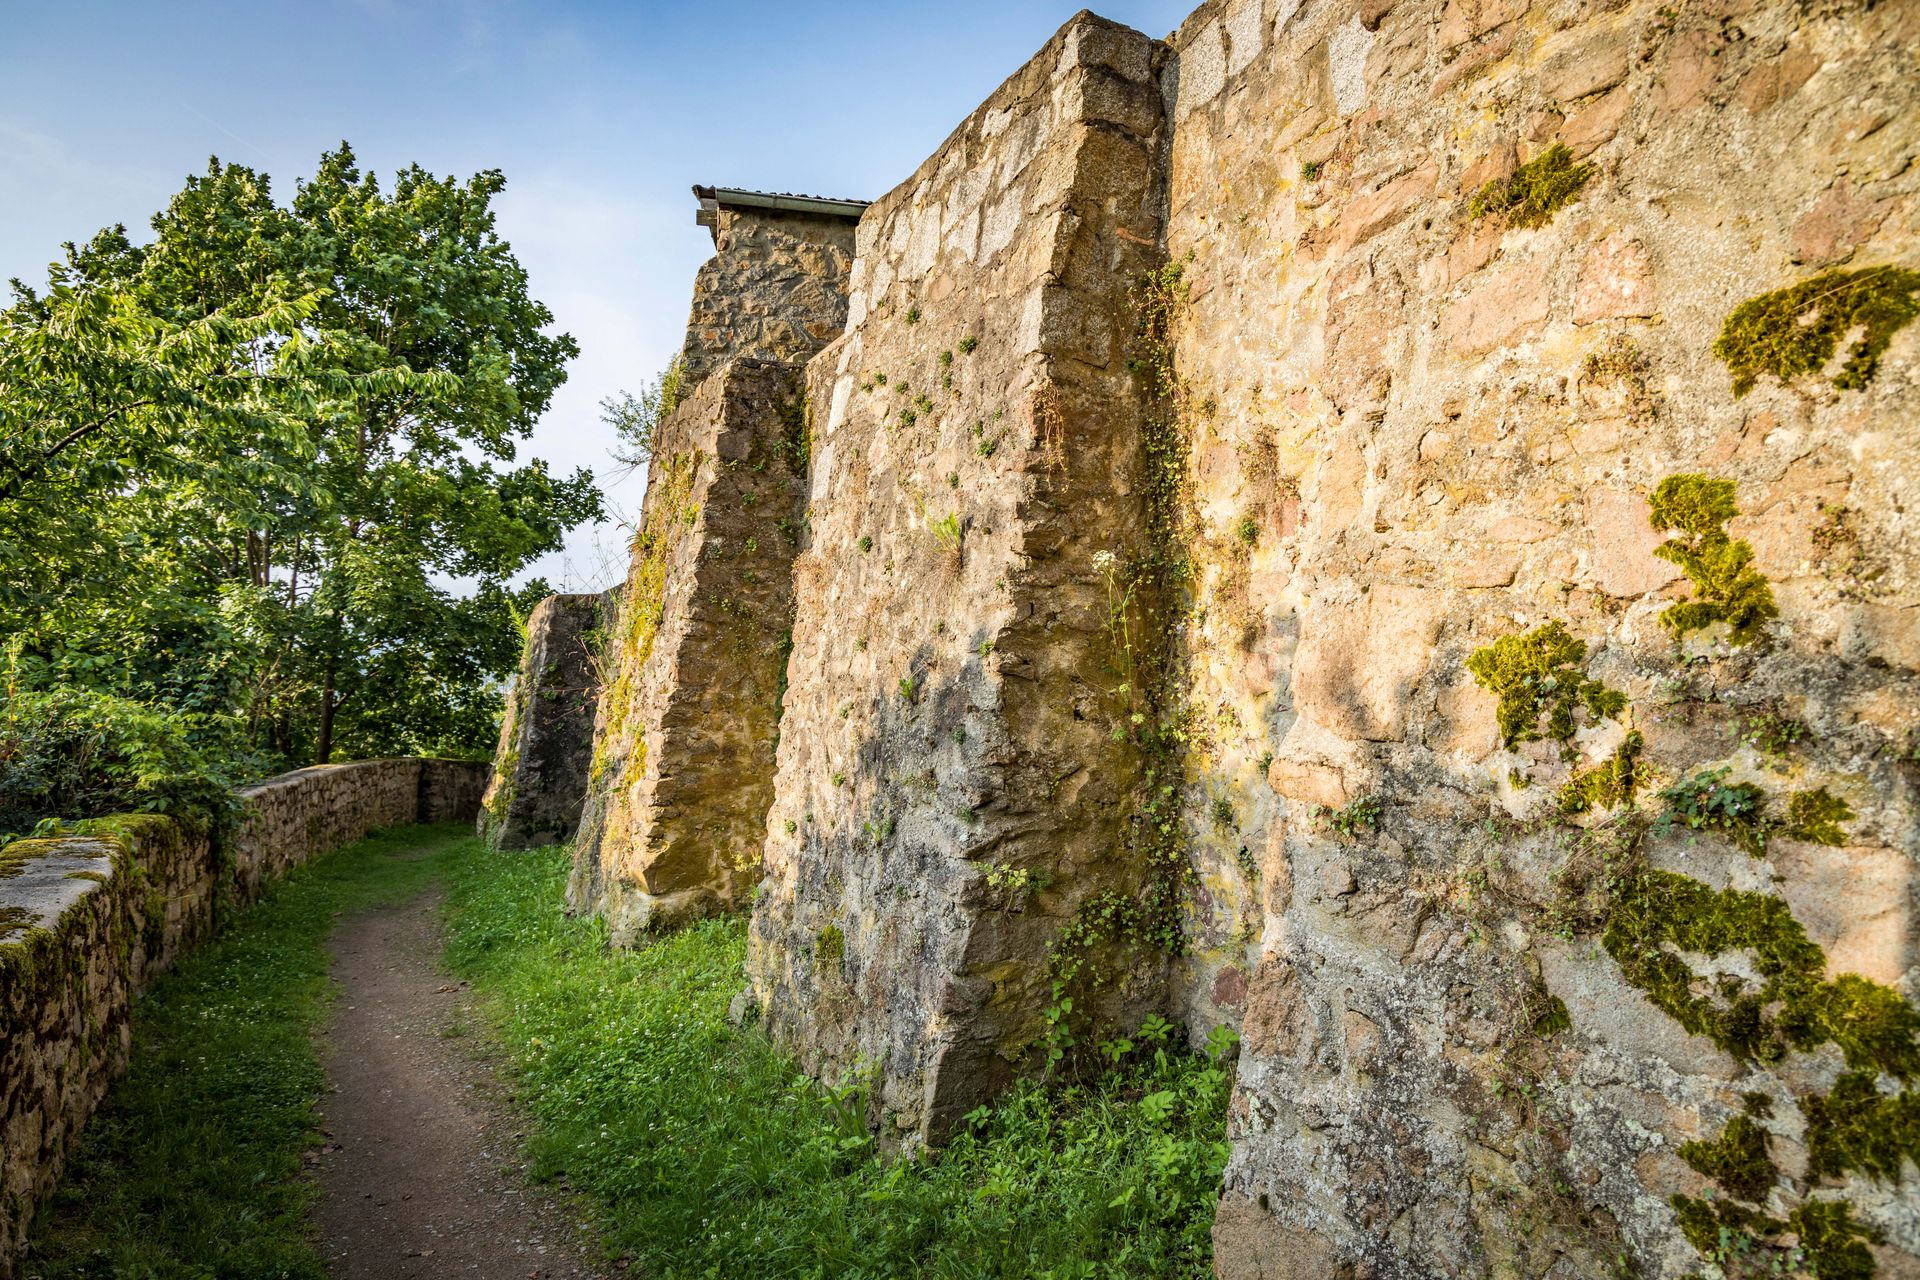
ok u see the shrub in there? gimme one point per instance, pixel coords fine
(70, 753)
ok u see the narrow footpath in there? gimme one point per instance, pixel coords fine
(421, 1174)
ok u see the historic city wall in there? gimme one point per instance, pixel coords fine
(88, 920)
(681, 769)
(1425, 416)
(950, 789)
(540, 770)
(1382, 524)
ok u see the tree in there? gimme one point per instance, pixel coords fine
(246, 465)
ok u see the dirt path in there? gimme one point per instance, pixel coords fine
(422, 1175)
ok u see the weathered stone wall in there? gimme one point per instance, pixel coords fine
(949, 789)
(294, 817)
(1416, 424)
(775, 289)
(87, 920)
(539, 777)
(681, 770)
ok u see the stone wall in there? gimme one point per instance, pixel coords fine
(775, 289)
(539, 780)
(88, 920)
(949, 790)
(1418, 423)
(1384, 524)
(681, 770)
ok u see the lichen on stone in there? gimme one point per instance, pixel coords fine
(1538, 678)
(1535, 191)
(1737, 1159)
(1794, 331)
(1727, 588)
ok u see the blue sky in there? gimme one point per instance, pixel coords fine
(601, 115)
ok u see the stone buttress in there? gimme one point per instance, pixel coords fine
(546, 735)
(949, 789)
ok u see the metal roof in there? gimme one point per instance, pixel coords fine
(711, 198)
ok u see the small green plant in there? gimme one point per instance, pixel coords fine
(913, 315)
(1535, 191)
(947, 532)
(865, 543)
(1363, 814)
(830, 945)
(1247, 530)
(908, 415)
(986, 647)
(1223, 813)
(1726, 586)
(792, 826)
(909, 688)
(1793, 332)
(1772, 735)
(839, 779)
(1706, 801)
(1311, 170)
(967, 344)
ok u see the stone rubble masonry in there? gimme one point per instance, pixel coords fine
(539, 778)
(681, 772)
(775, 289)
(951, 687)
(1400, 402)
(88, 920)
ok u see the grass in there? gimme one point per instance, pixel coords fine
(705, 1150)
(711, 1155)
(194, 1168)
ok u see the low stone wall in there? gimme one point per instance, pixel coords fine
(87, 920)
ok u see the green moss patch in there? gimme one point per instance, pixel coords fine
(831, 945)
(1538, 678)
(1858, 1129)
(1608, 785)
(1737, 1159)
(1795, 331)
(1726, 586)
(1658, 915)
(1816, 816)
(1535, 191)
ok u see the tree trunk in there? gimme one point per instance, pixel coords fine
(328, 706)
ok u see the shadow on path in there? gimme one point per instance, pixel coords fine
(421, 1174)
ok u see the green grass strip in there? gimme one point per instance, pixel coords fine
(193, 1170)
(711, 1155)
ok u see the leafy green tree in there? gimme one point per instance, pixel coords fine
(244, 469)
